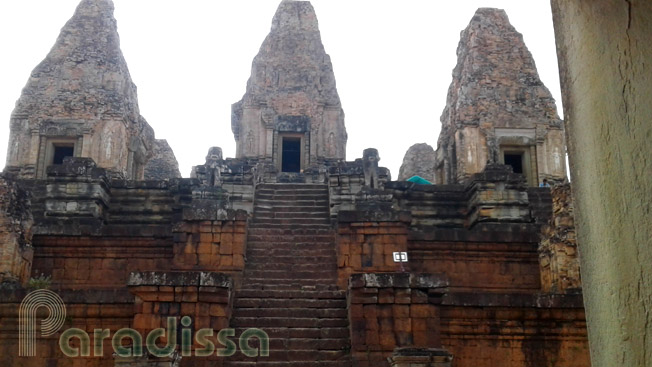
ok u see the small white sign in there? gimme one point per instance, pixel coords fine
(400, 257)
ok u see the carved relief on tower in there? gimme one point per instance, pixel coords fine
(291, 76)
(108, 146)
(331, 145)
(471, 152)
(268, 117)
(251, 133)
(250, 142)
(553, 156)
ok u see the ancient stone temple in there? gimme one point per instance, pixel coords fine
(291, 113)
(498, 110)
(287, 254)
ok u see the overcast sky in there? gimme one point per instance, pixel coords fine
(191, 60)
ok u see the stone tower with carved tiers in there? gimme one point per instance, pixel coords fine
(498, 110)
(291, 112)
(80, 101)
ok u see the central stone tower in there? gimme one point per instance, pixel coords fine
(291, 113)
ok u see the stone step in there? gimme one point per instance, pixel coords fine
(263, 251)
(308, 344)
(290, 246)
(254, 264)
(257, 268)
(284, 294)
(284, 261)
(308, 201)
(299, 322)
(295, 282)
(296, 248)
(290, 208)
(142, 218)
(303, 333)
(291, 274)
(318, 231)
(292, 211)
(291, 186)
(300, 192)
(296, 266)
(282, 247)
(288, 303)
(301, 249)
(291, 287)
(271, 234)
(291, 312)
(290, 222)
(291, 215)
(284, 218)
(283, 227)
(289, 194)
(290, 358)
(290, 200)
(287, 354)
(267, 251)
(286, 242)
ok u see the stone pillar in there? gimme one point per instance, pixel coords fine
(421, 357)
(604, 59)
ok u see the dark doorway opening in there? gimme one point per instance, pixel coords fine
(514, 160)
(291, 155)
(60, 152)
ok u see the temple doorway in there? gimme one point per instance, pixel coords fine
(291, 154)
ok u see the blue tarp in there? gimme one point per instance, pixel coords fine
(419, 180)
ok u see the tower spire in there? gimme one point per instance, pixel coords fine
(291, 91)
(81, 97)
(497, 109)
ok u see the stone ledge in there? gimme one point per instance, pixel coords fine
(421, 357)
(411, 186)
(191, 278)
(86, 296)
(513, 300)
(201, 210)
(77, 167)
(398, 280)
(348, 216)
(481, 232)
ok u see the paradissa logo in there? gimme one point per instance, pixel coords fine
(57, 314)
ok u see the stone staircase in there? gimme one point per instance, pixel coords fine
(289, 288)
